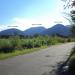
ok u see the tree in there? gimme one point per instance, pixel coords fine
(71, 59)
(71, 4)
(73, 22)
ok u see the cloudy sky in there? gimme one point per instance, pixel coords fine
(24, 13)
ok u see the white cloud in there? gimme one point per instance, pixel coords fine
(46, 21)
(26, 23)
(3, 27)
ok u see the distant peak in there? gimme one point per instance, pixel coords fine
(59, 25)
(38, 27)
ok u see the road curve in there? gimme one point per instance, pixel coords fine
(36, 63)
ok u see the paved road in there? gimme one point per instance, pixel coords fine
(37, 63)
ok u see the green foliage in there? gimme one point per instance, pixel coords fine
(72, 62)
(71, 3)
(5, 46)
(72, 65)
(16, 43)
(73, 30)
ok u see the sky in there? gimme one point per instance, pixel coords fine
(24, 14)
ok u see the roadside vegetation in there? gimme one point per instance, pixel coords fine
(70, 16)
(72, 62)
(17, 45)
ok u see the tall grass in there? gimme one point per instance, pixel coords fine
(16, 43)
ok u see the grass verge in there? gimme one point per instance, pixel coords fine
(19, 52)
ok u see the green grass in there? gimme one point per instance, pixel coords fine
(9, 45)
(14, 46)
(19, 52)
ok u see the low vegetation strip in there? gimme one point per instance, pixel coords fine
(69, 65)
(72, 63)
(16, 45)
(19, 52)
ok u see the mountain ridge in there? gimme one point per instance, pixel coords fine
(12, 31)
(59, 29)
(34, 30)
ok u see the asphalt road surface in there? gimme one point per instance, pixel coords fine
(36, 63)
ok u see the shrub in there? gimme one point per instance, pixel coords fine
(16, 43)
(27, 44)
(72, 62)
(37, 44)
(69, 40)
(72, 65)
(6, 46)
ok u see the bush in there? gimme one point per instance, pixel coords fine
(37, 44)
(72, 66)
(69, 40)
(72, 62)
(6, 46)
(17, 43)
(27, 44)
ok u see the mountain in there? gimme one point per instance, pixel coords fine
(59, 29)
(11, 31)
(34, 30)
